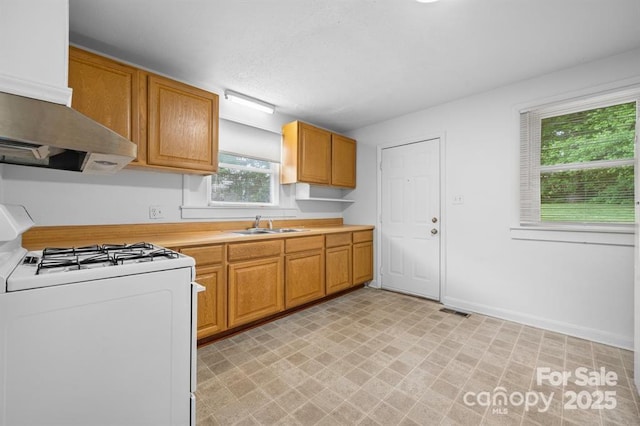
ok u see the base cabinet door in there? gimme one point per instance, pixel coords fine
(304, 274)
(212, 303)
(362, 262)
(256, 290)
(338, 268)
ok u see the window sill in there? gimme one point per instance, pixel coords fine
(602, 235)
(234, 212)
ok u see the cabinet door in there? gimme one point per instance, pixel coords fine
(212, 302)
(107, 91)
(362, 262)
(304, 280)
(338, 269)
(256, 290)
(183, 126)
(314, 155)
(343, 161)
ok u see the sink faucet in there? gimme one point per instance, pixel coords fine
(256, 224)
(270, 224)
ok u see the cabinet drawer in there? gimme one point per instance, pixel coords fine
(361, 236)
(303, 244)
(335, 240)
(254, 250)
(205, 255)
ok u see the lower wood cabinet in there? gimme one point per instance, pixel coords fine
(212, 302)
(362, 256)
(339, 264)
(248, 281)
(255, 280)
(304, 270)
(255, 290)
(339, 268)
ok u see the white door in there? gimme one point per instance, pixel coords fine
(410, 228)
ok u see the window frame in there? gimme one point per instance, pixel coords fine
(530, 167)
(274, 171)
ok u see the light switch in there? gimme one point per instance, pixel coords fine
(458, 199)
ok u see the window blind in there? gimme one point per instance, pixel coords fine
(529, 168)
(577, 161)
(251, 141)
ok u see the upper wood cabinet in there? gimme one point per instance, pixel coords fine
(174, 125)
(107, 91)
(343, 161)
(183, 126)
(317, 156)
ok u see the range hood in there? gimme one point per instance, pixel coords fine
(44, 134)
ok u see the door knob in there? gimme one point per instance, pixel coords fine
(434, 219)
(434, 231)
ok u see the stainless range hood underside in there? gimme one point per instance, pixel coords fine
(44, 134)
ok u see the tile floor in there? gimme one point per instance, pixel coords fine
(378, 358)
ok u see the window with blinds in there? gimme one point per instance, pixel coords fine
(577, 161)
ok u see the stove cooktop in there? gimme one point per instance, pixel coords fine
(56, 266)
(52, 260)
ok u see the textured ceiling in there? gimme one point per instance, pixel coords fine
(344, 64)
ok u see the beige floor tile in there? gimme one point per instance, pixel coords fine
(377, 358)
(269, 414)
(308, 414)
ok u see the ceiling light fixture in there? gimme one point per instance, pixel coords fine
(245, 100)
(427, 1)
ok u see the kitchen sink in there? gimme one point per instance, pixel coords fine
(251, 231)
(259, 231)
(283, 230)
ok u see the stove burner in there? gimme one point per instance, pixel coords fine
(74, 258)
(74, 262)
(122, 258)
(112, 247)
(53, 251)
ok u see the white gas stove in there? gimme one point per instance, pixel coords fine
(104, 334)
(58, 266)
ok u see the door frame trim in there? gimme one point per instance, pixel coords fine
(443, 205)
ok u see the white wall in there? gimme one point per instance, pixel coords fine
(41, 28)
(583, 290)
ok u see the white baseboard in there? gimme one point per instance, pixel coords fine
(607, 338)
(373, 284)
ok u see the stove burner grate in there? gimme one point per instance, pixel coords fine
(122, 258)
(74, 258)
(74, 262)
(54, 251)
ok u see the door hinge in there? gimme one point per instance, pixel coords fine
(380, 166)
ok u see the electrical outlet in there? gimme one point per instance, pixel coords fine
(155, 212)
(458, 199)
